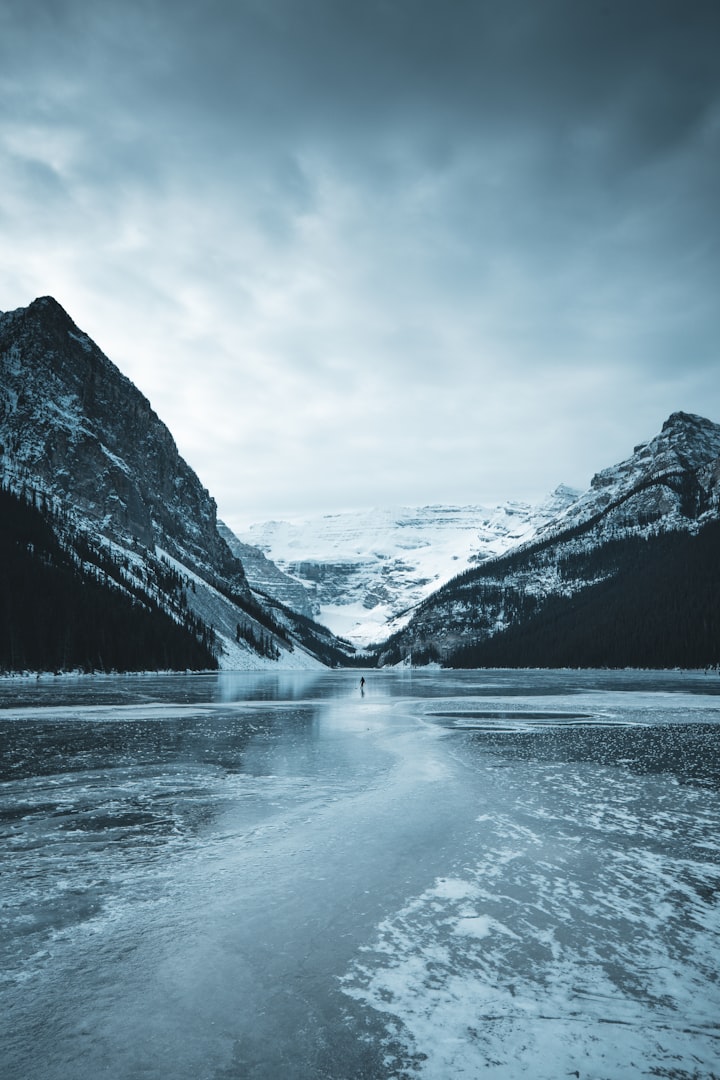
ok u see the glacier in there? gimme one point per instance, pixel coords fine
(365, 570)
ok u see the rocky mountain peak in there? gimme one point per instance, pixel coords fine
(43, 309)
(683, 421)
(74, 423)
(694, 437)
(49, 311)
(667, 482)
(47, 343)
(686, 442)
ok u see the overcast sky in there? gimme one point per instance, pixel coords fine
(375, 252)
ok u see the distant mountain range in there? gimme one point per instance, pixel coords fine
(112, 557)
(82, 449)
(364, 572)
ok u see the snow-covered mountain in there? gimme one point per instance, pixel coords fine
(365, 570)
(633, 531)
(78, 439)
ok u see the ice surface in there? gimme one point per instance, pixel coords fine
(449, 875)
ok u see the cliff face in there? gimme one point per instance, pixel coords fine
(265, 578)
(71, 420)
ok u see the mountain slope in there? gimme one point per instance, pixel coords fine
(66, 607)
(265, 578)
(668, 486)
(79, 439)
(658, 606)
(73, 423)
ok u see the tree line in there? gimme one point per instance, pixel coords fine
(67, 605)
(659, 607)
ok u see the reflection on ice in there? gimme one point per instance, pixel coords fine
(256, 876)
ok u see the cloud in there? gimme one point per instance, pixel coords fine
(375, 253)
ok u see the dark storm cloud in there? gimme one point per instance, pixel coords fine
(376, 210)
(644, 72)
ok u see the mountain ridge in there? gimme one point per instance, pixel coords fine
(79, 425)
(686, 444)
(669, 485)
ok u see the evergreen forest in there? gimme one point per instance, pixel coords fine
(658, 607)
(65, 606)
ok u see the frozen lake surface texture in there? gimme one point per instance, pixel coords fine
(452, 875)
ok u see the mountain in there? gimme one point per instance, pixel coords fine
(670, 482)
(81, 444)
(73, 423)
(364, 571)
(265, 578)
(626, 574)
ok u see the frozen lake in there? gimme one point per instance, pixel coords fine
(476, 874)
